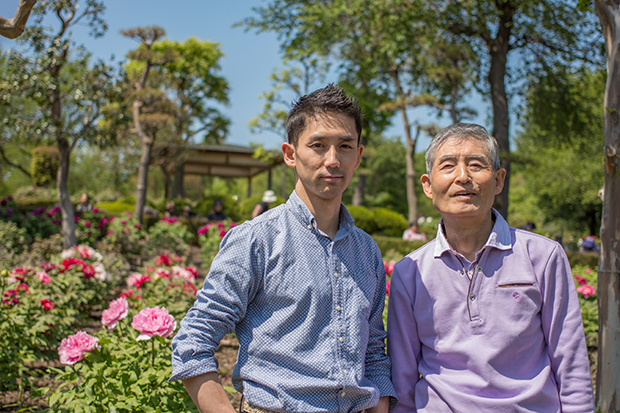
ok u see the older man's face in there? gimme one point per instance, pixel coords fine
(462, 184)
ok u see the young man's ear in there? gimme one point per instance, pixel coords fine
(288, 153)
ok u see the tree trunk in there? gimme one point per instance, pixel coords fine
(68, 214)
(143, 176)
(608, 371)
(177, 186)
(501, 119)
(360, 187)
(167, 183)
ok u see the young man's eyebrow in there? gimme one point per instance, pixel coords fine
(346, 138)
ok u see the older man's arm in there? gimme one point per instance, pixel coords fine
(208, 394)
(382, 407)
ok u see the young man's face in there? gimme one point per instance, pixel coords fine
(462, 182)
(325, 156)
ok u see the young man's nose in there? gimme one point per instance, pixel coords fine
(331, 158)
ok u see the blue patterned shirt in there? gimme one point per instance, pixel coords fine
(307, 311)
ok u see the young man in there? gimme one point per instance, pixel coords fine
(301, 286)
(484, 318)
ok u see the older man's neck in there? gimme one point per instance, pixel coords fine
(468, 236)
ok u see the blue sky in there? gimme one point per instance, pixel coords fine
(249, 57)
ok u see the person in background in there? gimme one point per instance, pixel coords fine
(268, 197)
(84, 205)
(484, 318)
(300, 285)
(218, 212)
(187, 212)
(170, 210)
(413, 234)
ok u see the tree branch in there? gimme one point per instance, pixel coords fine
(14, 27)
(3, 155)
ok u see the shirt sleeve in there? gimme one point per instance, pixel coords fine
(404, 347)
(377, 362)
(221, 303)
(563, 329)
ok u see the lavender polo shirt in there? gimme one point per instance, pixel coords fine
(501, 334)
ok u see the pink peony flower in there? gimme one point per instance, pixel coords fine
(184, 273)
(220, 225)
(233, 224)
(153, 322)
(162, 273)
(47, 304)
(87, 224)
(117, 311)
(88, 271)
(203, 230)
(387, 288)
(586, 290)
(134, 278)
(588, 270)
(100, 272)
(389, 267)
(222, 233)
(189, 288)
(85, 251)
(44, 277)
(73, 348)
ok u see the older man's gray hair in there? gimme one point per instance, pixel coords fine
(460, 131)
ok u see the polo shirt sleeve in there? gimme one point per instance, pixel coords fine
(563, 329)
(403, 342)
(377, 363)
(231, 283)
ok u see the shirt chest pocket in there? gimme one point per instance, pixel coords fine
(517, 301)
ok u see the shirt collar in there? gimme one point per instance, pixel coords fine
(305, 217)
(499, 238)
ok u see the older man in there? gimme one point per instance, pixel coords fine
(301, 286)
(484, 318)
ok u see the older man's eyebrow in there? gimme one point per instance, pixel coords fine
(482, 158)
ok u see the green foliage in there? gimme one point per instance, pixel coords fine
(388, 222)
(13, 237)
(90, 226)
(37, 223)
(247, 205)
(45, 163)
(210, 236)
(170, 235)
(587, 259)
(395, 247)
(557, 157)
(124, 375)
(378, 220)
(125, 236)
(117, 208)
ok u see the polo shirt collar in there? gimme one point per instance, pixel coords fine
(499, 238)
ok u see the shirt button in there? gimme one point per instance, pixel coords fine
(343, 394)
(479, 269)
(310, 226)
(336, 274)
(341, 339)
(337, 308)
(346, 372)
(472, 297)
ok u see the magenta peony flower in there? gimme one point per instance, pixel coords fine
(586, 290)
(47, 304)
(73, 348)
(44, 277)
(153, 322)
(116, 312)
(387, 288)
(389, 266)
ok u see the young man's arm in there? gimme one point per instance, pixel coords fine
(403, 343)
(382, 407)
(208, 394)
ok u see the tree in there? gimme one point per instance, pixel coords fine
(557, 151)
(608, 373)
(539, 31)
(151, 110)
(192, 83)
(68, 90)
(13, 28)
(295, 80)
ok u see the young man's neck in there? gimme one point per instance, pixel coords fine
(326, 212)
(468, 237)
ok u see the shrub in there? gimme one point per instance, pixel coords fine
(388, 222)
(33, 191)
(169, 234)
(247, 206)
(91, 226)
(45, 163)
(107, 195)
(364, 218)
(396, 246)
(14, 239)
(210, 236)
(587, 259)
(125, 236)
(37, 223)
(117, 208)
